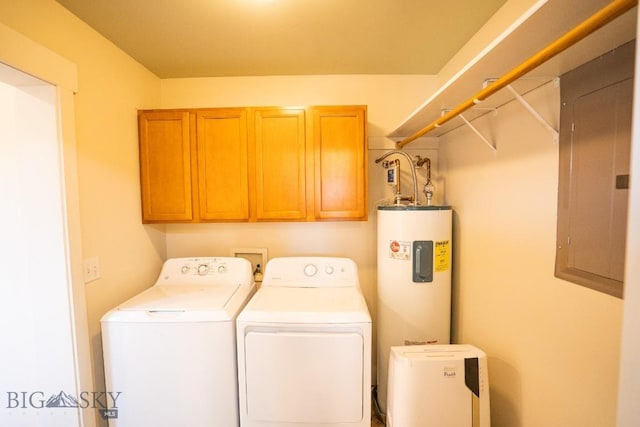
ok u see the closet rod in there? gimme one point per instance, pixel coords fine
(591, 24)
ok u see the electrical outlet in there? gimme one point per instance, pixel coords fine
(91, 269)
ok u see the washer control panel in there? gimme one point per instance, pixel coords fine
(206, 270)
(203, 267)
(311, 272)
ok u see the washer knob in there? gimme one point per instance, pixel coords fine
(222, 269)
(310, 270)
(185, 269)
(329, 269)
(203, 269)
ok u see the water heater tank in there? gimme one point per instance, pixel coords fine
(414, 281)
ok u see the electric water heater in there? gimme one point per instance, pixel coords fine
(414, 280)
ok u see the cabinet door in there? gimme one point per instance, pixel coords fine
(279, 155)
(165, 165)
(222, 164)
(340, 162)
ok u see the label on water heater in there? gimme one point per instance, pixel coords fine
(441, 255)
(399, 250)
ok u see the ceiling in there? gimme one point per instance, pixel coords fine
(212, 38)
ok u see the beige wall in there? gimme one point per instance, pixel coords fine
(111, 86)
(553, 346)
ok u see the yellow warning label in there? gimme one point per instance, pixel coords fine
(442, 255)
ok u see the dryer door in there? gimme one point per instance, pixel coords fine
(304, 377)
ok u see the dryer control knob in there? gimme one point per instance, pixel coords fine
(310, 270)
(203, 269)
(185, 269)
(222, 269)
(329, 269)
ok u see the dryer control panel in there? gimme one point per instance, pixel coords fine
(311, 272)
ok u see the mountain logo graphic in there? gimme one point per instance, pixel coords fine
(62, 400)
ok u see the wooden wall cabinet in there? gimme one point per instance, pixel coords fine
(339, 162)
(223, 186)
(165, 166)
(279, 164)
(193, 165)
(253, 164)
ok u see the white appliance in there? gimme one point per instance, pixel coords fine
(304, 347)
(414, 280)
(171, 352)
(438, 385)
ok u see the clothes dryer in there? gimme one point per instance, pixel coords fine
(304, 347)
(170, 352)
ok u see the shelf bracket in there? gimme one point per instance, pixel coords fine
(534, 113)
(472, 127)
(477, 132)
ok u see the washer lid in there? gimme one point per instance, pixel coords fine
(180, 303)
(307, 305)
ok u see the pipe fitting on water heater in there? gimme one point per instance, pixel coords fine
(428, 188)
(393, 176)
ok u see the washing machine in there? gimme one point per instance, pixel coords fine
(304, 347)
(170, 352)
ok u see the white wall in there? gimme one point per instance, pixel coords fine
(553, 346)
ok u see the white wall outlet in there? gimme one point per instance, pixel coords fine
(91, 268)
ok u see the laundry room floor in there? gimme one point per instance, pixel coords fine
(375, 422)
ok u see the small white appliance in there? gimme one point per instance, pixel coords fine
(304, 347)
(171, 352)
(414, 280)
(438, 385)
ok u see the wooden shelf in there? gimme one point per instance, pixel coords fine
(540, 25)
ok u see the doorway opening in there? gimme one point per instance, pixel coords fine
(36, 308)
